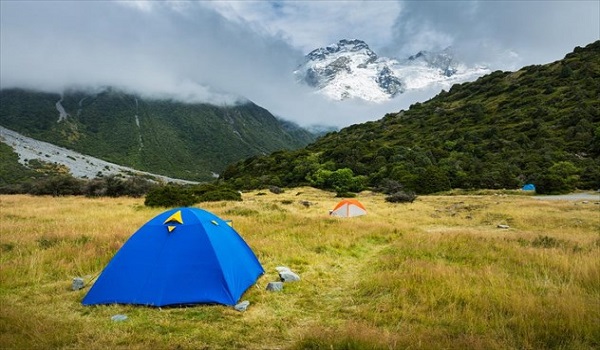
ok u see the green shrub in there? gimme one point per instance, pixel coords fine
(184, 196)
(431, 180)
(59, 185)
(276, 189)
(401, 197)
(113, 186)
(552, 184)
(546, 242)
(389, 186)
(222, 194)
(242, 211)
(201, 189)
(345, 194)
(170, 196)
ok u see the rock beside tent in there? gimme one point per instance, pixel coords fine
(241, 307)
(275, 286)
(285, 275)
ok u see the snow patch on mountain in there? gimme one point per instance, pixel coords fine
(62, 114)
(137, 122)
(350, 69)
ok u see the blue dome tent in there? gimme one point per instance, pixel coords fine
(182, 256)
(528, 187)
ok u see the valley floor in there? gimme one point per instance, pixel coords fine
(444, 272)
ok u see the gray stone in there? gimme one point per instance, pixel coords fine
(118, 318)
(77, 283)
(241, 307)
(503, 226)
(275, 286)
(286, 275)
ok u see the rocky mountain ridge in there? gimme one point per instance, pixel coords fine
(79, 165)
(177, 140)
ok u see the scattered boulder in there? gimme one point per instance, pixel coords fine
(306, 203)
(286, 275)
(118, 318)
(275, 286)
(241, 307)
(502, 226)
(77, 283)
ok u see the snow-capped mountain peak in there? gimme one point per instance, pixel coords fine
(443, 60)
(350, 69)
(343, 47)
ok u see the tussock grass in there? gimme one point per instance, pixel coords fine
(434, 274)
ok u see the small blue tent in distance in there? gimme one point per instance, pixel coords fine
(528, 187)
(183, 256)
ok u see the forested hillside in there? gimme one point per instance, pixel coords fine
(187, 141)
(540, 124)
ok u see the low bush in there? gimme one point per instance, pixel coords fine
(401, 197)
(345, 194)
(276, 189)
(185, 195)
(170, 196)
(222, 194)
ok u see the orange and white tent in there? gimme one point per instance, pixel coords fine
(347, 208)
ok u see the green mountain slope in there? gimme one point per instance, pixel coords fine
(187, 141)
(540, 124)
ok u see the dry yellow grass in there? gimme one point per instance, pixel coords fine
(436, 273)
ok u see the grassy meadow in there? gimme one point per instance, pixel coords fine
(434, 274)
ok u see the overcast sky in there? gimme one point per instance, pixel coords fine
(220, 51)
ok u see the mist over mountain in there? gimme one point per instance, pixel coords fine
(221, 51)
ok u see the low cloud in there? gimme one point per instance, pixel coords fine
(226, 52)
(195, 55)
(502, 34)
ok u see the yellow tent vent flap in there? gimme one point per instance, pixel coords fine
(176, 217)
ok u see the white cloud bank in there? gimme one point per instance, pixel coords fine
(221, 52)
